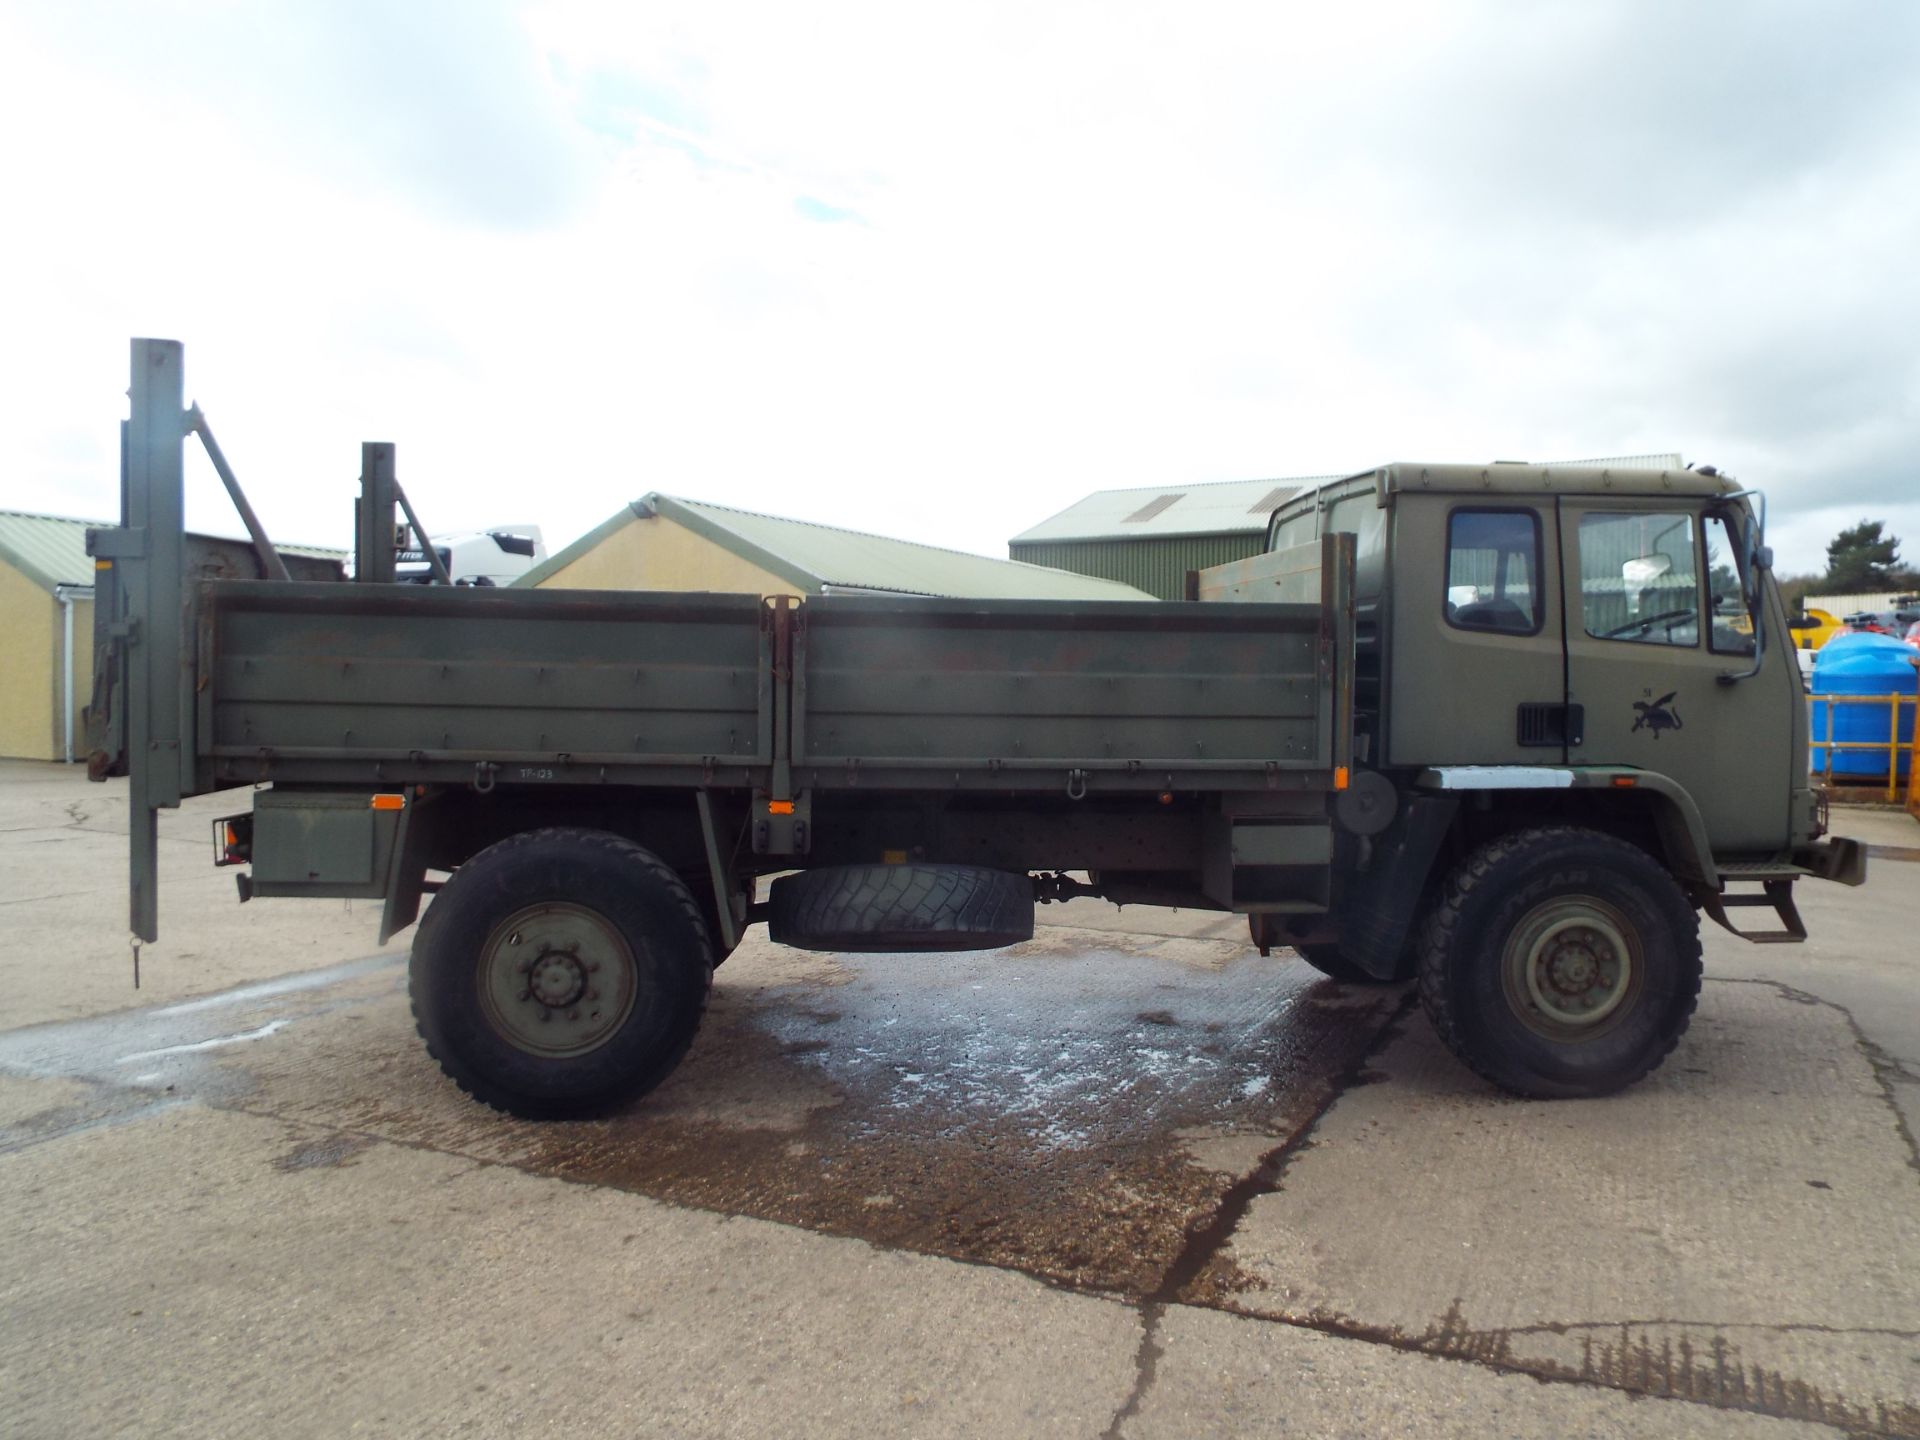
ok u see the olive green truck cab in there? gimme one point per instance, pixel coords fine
(1507, 729)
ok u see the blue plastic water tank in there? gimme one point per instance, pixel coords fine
(1862, 663)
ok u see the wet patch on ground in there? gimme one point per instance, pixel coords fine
(1026, 1112)
(325, 1153)
(132, 1063)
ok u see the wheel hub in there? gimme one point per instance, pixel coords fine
(1573, 968)
(1570, 968)
(557, 979)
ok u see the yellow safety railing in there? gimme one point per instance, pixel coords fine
(1913, 776)
(1891, 746)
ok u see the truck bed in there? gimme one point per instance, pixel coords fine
(324, 683)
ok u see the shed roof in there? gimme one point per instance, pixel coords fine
(814, 557)
(52, 549)
(1222, 507)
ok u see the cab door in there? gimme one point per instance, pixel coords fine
(1477, 667)
(1655, 619)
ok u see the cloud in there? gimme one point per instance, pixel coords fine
(444, 101)
(810, 208)
(940, 273)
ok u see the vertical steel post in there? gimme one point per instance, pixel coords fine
(373, 515)
(159, 697)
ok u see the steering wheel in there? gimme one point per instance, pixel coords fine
(1647, 622)
(1491, 615)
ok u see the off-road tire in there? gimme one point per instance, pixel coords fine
(1464, 958)
(855, 908)
(626, 888)
(1328, 960)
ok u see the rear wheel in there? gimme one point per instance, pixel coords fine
(560, 973)
(1561, 962)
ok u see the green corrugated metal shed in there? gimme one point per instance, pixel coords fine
(820, 558)
(1151, 536)
(1157, 565)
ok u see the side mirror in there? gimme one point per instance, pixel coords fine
(1759, 558)
(1645, 569)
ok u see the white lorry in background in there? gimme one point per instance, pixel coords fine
(498, 556)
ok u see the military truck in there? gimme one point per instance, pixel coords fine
(1493, 727)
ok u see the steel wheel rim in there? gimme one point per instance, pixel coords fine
(1573, 968)
(556, 980)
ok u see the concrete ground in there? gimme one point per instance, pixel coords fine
(1127, 1180)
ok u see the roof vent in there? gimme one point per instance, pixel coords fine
(1152, 508)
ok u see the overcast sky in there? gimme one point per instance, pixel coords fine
(937, 272)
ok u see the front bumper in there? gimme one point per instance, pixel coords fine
(1837, 859)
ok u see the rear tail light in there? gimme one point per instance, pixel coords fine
(233, 840)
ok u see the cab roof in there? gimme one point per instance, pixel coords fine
(1508, 477)
(1519, 479)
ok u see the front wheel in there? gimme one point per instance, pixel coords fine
(560, 973)
(1561, 962)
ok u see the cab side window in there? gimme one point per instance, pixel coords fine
(1732, 632)
(1294, 530)
(1639, 581)
(1359, 515)
(1493, 571)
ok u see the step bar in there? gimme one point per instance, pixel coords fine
(1776, 891)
